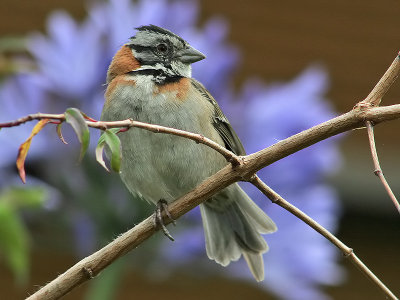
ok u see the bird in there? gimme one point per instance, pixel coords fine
(150, 80)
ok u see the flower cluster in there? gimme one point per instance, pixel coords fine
(71, 62)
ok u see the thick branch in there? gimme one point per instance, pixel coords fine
(348, 252)
(92, 265)
(351, 120)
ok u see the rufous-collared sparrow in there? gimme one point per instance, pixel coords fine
(149, 80)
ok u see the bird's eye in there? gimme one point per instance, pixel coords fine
(162, 48)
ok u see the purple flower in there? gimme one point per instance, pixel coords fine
(72, 63)
(281, 110)
(13, 99)
(72, 60)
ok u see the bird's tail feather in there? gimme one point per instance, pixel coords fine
(233, 225)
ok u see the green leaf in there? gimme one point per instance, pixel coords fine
(74, 117)
(14, 242)
(99, 154)
(14, 237)
(110, 139)
(114, 144)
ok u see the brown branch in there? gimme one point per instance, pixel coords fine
(378, 170)
(348, 252)
(250, 164)
(375, 96)
(354, 119)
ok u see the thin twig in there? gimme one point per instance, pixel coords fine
(348, 252)
(129, 123)
(31, 117)
(381, 88)
(378, 170)
(198, 138)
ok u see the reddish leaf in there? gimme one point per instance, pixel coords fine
(59, 133)
(23, 149)
(88, 118)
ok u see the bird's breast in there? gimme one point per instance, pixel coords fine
(161, 165)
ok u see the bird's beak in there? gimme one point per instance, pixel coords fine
(189, 55)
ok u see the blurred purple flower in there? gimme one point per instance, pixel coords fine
(274, 113)
(19, 96)
(68, 64)
(71, 65)
(116, 19)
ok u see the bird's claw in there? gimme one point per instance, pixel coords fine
(162, 205)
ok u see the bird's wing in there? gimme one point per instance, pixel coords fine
(221, 123)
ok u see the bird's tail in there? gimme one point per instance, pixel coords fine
(233, 225)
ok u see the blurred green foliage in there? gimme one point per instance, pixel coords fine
(14, 237)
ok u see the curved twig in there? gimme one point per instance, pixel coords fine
(382, 87)
(348, 252)
(129, 123)
(378, 170)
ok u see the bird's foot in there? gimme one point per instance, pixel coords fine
(162, 205)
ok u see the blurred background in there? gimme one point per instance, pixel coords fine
(276, 67)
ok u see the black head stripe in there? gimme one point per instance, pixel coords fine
(161, 30)
(139, 48)
(152, 72)
(160, 77)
